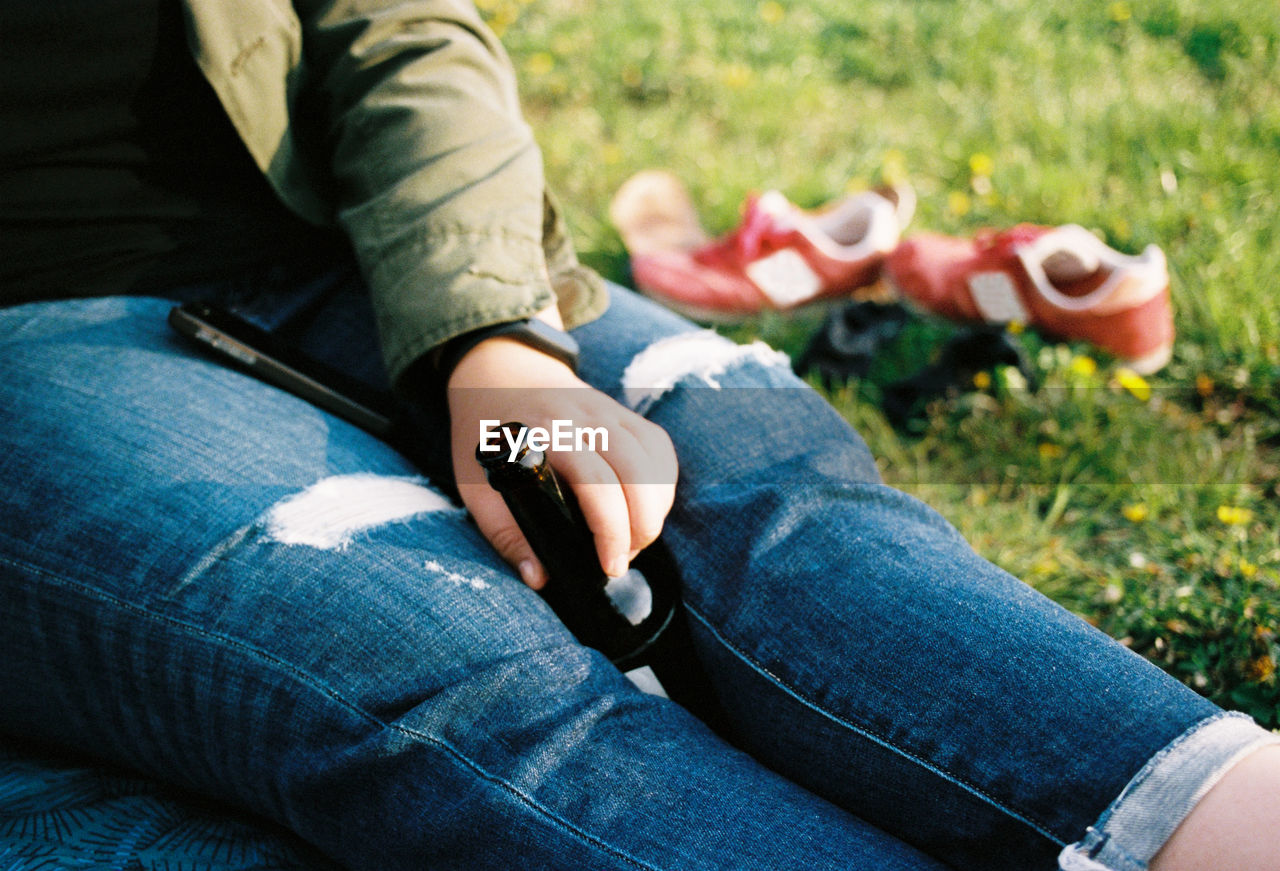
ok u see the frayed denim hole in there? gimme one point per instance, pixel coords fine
(687, 359)
(330, 513)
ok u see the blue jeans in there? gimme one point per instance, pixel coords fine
(213, 583)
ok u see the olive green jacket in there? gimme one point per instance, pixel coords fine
(399, 122)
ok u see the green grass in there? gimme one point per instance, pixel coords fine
(1153, 516)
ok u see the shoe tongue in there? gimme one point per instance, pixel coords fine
(775, 205)
(765, 214)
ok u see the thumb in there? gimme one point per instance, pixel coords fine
(501, 530)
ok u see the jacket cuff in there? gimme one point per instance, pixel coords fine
(447, 289)
(439, 285)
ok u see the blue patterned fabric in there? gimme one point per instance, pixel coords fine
(58, 813)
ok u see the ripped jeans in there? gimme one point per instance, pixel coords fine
(213, 583)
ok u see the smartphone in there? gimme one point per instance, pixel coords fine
(264, 355)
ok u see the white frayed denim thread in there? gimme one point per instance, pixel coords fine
(704, 355)
(331, 512)
(1164, 792)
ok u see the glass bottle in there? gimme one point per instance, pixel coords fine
(636, 620)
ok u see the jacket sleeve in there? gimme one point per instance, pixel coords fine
(436, 177)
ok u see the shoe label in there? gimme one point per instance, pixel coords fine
(785, 278)
(997, 299)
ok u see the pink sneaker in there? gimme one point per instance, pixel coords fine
(1061, 280)
(779, 257)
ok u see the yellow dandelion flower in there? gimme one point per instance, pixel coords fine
(893, 168)
(1134, 383)
(1084, 366)
(502, 17)
(1232, 515)
(982, 380)
(1119, 11)
(1262, 669)
(1047, 566)
(1247, 569)
(1204, 385)
(959, 204)
(737, 75)
(981, 164)
(632, 76)
(1050, 451)
(1017, 328)
(1135, 512)
(771, 12)
(539, 64)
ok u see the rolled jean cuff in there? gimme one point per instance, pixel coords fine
(1138, 823)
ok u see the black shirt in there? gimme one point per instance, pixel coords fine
(119, 170)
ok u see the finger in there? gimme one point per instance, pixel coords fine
(648, 496)
(500, 529)
(648, 505)
(651, 458)
(645, 463)
(603, 504)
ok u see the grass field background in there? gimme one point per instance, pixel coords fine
(1149, 507)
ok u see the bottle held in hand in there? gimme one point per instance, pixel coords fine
(636, 620)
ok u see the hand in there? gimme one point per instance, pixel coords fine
(625, 492)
